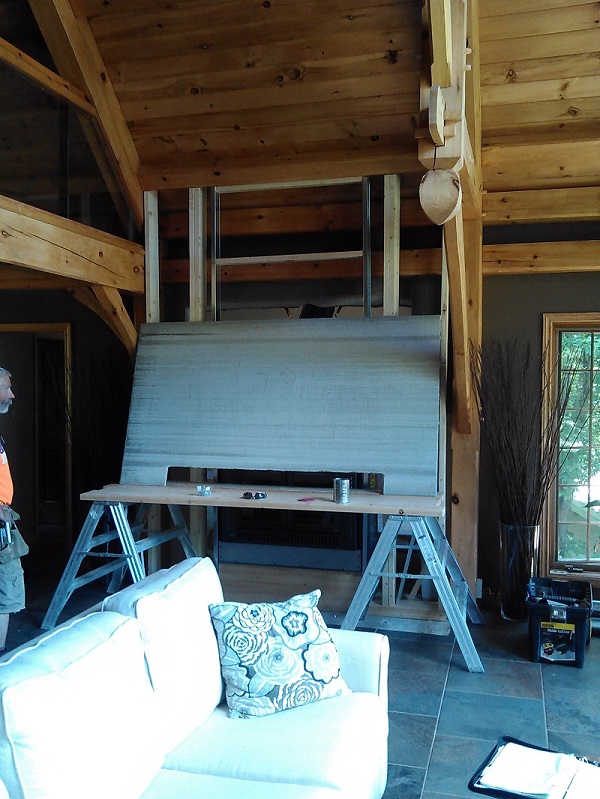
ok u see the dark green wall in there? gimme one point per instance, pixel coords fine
(513, 308)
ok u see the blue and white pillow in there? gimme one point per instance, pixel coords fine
(275, 656)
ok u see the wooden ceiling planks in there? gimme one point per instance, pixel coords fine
(540, 94)
(221, 91)
(209, 87)
(539, 166)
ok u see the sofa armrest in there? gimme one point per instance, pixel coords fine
(364, 659)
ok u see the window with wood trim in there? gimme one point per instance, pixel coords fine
(572, 540)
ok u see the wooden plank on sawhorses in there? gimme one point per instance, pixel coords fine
(455, 602)
(130, 557)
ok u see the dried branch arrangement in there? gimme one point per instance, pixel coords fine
(523, 435)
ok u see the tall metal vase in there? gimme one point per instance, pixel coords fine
(519, 547)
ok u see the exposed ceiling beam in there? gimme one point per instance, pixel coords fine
(76, 55)
(43, 241)
(48, 80)
(110, 309)
(448, 147)
(115, 315)
(545, 257)
(551, 205)
(206, 170)
(457, 283)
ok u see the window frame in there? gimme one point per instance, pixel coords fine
(553, 325)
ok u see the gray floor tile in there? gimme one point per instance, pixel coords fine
(580, 745)
(411, 738)
(436, 795)
(416, 692)
(404, 782)
(573, 711)
(502, 677)
(429, 653)
(476, 715)
(501, 639)
(453, 762)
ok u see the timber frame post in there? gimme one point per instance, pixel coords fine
(450, 139)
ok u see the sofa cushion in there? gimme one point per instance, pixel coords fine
(172, 609)
(78, 714)
(183, 785)
(276, 656)
(339, 744)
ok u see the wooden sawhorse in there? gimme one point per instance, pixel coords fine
(443, 569)
(134, 540)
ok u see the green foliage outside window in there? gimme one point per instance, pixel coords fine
(578, 488)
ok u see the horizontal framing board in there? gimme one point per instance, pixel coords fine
(560, 205)
(540, 257)
(359, 395)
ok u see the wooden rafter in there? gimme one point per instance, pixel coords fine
(78, 59)
(48, 80)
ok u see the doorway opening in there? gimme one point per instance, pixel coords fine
(37, 432)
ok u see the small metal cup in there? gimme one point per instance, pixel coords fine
(341, 490)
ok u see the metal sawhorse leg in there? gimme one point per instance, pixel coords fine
(457, 599)
(132, 543)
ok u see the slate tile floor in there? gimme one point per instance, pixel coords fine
(443, 719)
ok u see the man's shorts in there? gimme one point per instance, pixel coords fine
(12, 587)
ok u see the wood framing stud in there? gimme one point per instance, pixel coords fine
(152, 256)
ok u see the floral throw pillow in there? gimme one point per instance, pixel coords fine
(275, 656)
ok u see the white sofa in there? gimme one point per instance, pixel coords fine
(126, 702)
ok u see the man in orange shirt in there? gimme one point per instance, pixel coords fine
(12, 588)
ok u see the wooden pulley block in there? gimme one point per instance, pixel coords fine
(440, 194)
